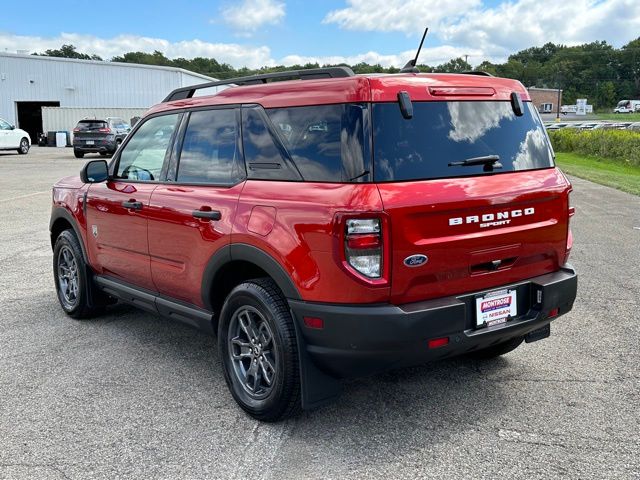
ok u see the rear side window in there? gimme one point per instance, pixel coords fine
(91, 125)
(210, 149)
(143, 155)
(326, 142)
(264, 153)
(443, 132)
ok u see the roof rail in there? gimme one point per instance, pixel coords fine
(477, 72)
(305, 74)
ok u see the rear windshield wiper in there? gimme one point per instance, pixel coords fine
(489, 161)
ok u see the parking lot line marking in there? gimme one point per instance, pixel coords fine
(24, 196)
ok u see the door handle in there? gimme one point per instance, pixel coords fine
(207, 214)
(132, 204)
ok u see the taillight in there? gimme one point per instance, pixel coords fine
(363, 246)
(76, 130)
(104, 130)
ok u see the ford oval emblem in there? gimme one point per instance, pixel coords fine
(415, 260)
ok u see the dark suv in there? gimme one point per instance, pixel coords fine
(99, 136)
(327, 225)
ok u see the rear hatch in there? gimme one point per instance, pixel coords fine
(91, 131)
(500, 218)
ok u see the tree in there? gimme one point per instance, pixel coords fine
(455, 65)
(606, 95)
(68, 51)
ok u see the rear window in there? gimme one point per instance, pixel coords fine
(91, 125)
(444, 132)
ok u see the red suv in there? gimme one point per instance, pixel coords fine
(327, 225)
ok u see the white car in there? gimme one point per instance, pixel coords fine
(12, 138)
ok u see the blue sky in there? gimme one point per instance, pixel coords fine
(261, 32)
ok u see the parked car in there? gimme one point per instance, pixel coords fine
(555, 126)
(332, 226)
(12, 138)
(99, 136)
(590, 126)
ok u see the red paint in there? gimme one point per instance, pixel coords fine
(262, 220)
(120, 248)
(179, 244)
(372, 88)
(420, 213)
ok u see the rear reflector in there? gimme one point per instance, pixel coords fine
(314, 322)
(438, 342)
(553, 313)
(371, 240)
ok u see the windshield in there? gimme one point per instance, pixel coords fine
(623, 103)
(441, 133)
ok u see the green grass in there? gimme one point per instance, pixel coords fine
(619, 117)
(603, 171)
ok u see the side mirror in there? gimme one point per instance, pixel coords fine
(12, 127)
(95, 171)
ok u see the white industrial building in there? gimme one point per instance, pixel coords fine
(28, 83)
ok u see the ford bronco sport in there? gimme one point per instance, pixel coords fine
(327, 225)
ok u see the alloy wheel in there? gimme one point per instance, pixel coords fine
(252, 352)
(68, 280)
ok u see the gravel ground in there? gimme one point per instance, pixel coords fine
(130, 395)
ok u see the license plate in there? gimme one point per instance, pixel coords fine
(495, 308)
(89, 142)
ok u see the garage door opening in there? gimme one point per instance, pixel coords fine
(30, 117)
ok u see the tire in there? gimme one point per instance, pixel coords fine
(23, 149)
(78, 154)
(253, 312)
(497, 350)
(69, 268)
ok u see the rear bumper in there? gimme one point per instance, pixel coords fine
(101, 146)
(360, 340)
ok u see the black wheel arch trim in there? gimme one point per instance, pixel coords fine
(62, 213)
(248, 253)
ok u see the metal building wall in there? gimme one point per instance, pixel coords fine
(85, 83)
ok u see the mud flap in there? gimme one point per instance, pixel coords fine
(317, 387)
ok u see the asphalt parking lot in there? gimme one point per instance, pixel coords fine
(130, 395)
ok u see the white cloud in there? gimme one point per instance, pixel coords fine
(250, 15)
(466, 26)
(510, 27)
(234, 54)
(408, 16)
(430, 56)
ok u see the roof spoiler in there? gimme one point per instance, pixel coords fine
(306, 74)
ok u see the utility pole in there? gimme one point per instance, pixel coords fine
(466, 58)
(559, 83)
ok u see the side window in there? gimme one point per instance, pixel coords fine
(143, 156)
(264, 157)
(4, 125)
(210, 149)
(328, 143)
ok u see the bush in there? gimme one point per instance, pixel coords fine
(619, 145)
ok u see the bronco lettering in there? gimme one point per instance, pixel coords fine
(489, 218)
